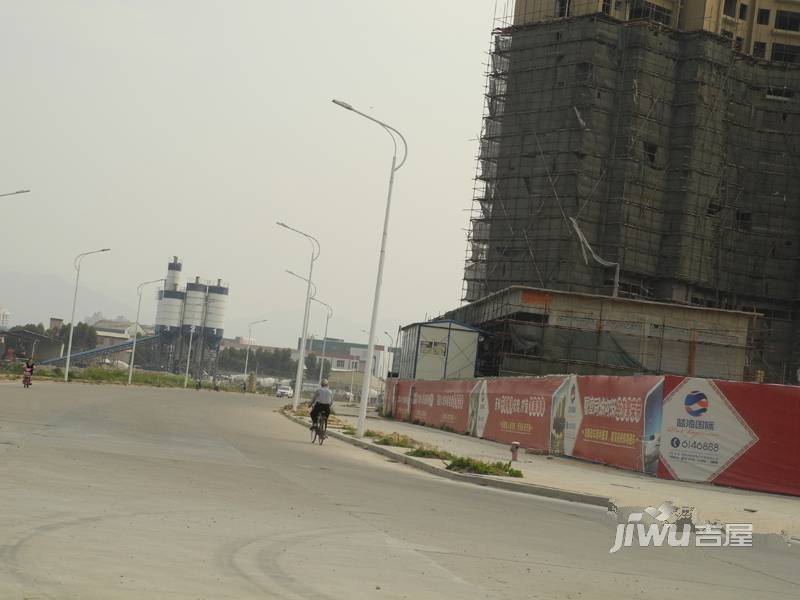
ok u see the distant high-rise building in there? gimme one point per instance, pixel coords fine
(637, 148)
(5, 318)
(766, 29)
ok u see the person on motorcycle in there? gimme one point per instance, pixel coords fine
(321, 403)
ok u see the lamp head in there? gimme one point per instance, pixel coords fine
(344, 105)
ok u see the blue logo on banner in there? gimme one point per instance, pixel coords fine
(696, 403)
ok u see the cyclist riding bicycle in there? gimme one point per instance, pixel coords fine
(27, 371)
(321, 403)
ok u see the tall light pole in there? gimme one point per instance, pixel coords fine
(305, 323)
(136, 326)
(391, 131)
(313, 297)
(77, 264)
(188, 356)
(324, 337)
(315, 250)
(391, 342)
(327, 319)
(15, 193)
(249, 340)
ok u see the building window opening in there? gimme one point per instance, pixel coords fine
(607, 6)
(729, 9)
(759, 49)
(650, 151)
(763, 16)
(641, 9)
(787, 20)
(743, 12)
(562, 8)
(785, 53)
(744, 220)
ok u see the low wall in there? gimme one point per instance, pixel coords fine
(744, 435)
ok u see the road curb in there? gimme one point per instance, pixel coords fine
(514, 486)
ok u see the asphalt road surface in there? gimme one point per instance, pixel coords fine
(107, 493)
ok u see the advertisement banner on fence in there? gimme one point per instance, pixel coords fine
(518, 410)
(703, 433)
(443, 404)
(732, 433)
(565, 417)
(618, 421)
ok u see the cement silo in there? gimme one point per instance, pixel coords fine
(194, 306)
(173, 279)
(190, 320)
(215, 313)
(170, 303)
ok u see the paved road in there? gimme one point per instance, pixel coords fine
(112, 493)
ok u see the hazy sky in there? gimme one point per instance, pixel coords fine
(188, 127)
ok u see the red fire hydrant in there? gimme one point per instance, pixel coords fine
(514, 451)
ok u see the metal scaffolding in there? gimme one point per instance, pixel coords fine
(626, 145)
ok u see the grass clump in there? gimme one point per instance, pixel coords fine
(395, 439)
(430, 452)
(463, 464)
(349, 430)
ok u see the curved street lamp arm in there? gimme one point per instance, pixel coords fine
(144, 283)
(389, 129)
(76, 263)
(313, 285)
(325, 304)
(315, 245)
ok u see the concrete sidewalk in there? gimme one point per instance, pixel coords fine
(769, 513)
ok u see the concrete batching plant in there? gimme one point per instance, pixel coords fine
(190, 322)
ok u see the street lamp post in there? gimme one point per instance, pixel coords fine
(324, 337)
(330, 314)
(391, 342)
(15, 193)
(188, 356)
(77, 264)
(249, 340)
(315, 250)
(391, 131)
(136, 326)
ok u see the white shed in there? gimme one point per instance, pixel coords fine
(438, 350)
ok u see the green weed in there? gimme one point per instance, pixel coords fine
(462, 464)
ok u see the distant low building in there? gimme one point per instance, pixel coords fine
(240, 343)
(110, 333)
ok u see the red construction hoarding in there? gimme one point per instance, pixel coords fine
(518, 410)
(739, 434)
(609, 422)
(744, 435)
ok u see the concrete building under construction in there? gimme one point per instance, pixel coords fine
(637, 149)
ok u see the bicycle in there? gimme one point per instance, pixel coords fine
(319, 432)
